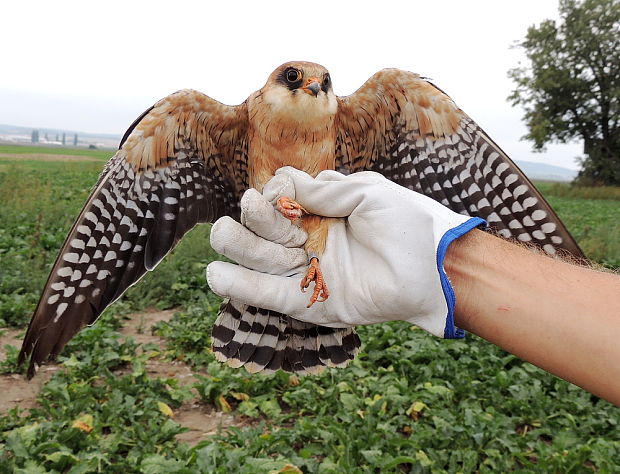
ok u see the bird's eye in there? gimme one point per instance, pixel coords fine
(293, 75)
(326, 80)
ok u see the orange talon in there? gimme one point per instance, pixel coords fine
(290, 209)
(314, 273)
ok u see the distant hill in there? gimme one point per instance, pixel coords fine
(545, 172)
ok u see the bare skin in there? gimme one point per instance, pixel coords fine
(561, 317)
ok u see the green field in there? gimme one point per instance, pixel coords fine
(408, 403)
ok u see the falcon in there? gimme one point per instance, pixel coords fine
(189, 158)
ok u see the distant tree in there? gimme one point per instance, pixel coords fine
(64, 138)
(75, 141)
(570, 88)
(46, 139)
(57, 138)
(34, 137)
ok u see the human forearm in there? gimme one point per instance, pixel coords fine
(560, 317)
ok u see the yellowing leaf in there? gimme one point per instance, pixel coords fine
(243, 397)
(287, 469)
(165, 409)
(423, 458)
(415, 410)
(293, 380)
(224, 405)
(84, 423)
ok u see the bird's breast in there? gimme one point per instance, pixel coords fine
(311, 151)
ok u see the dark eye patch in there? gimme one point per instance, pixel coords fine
(291, 77)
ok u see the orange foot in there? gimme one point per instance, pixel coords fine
(290, 209)
(315, 274)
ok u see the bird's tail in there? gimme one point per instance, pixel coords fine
(265, 341)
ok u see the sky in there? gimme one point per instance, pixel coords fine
(96, 66)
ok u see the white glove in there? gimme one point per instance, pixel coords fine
(382, 262)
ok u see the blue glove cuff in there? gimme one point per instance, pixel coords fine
(451, 331)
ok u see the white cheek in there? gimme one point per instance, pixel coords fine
(300, 106)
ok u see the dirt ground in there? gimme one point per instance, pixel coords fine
(201, 419)
(50, 157)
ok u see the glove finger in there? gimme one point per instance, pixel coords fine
(236, 242)
(333, 198)
(272, 292)
(278, 186)
(259, 215)
(329, 175)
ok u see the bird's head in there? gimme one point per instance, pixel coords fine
(300, 91)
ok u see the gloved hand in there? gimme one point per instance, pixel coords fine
(383, 260)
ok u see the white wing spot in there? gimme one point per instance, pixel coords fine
(511, 178)
(61, 309)
(102, 274)
(538, 214)
(71, 257)
(503, 166)
(80, 299)
(548, 227)
(64, 271)
(493, 217)
(109, 256)
(515, 224)
(516, 207)
(52, 299)
(84, 283)
(77, 244)
(527, 220)
(519, 190)
(505, 233)
(69, 291)
(550, 249)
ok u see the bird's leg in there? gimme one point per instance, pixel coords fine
(315, 274)
(317, 229)
(290, 209)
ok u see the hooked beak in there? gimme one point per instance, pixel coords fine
(313, 86)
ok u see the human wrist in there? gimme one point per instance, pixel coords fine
(461, 263)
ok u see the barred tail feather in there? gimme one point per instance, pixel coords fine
(264, 341)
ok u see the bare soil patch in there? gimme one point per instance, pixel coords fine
(16, 390)
(49, 157)
(201, 419)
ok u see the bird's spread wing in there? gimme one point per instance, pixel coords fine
(182, 162)
(407, 129)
